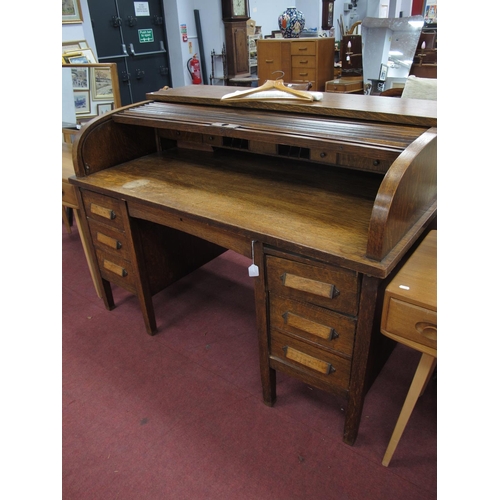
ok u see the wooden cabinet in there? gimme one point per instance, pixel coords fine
(300, 59)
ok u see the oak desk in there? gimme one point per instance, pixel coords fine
(328, 197)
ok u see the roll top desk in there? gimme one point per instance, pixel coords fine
(328, 198)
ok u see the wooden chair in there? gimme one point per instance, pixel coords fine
(409, 316)
(69, 201)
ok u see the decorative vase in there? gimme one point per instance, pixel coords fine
(291, 22)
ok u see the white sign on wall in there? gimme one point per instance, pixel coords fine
(141, 8)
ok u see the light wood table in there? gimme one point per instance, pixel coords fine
(409, 316)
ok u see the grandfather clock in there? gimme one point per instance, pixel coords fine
(327, 14)
(235, 16)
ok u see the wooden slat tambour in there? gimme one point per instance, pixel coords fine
(375, 134)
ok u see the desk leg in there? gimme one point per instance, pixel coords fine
(143, 289)
(267, 374)
(360, 359)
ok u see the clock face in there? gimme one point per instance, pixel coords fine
(239, 8)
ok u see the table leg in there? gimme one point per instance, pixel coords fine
(425, 366)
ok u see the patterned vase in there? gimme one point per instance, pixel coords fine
(291, 22)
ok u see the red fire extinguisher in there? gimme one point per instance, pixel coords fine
(193, 66)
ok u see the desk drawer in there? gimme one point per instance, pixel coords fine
(116, 270)
(109, 239)
(327, 368)
(333, 288)
(104, 209)
(411, 322)
(315, 325)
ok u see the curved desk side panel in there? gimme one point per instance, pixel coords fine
(103, 143)
(408, 191)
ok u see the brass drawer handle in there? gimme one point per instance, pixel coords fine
(115, 268)
(108, 241)
(269, 61)
(428, 330)
(302, 48)
(306, 325)
(304, 62)
(308, 285)
(303, 74)
(102, 211)
(306, 360)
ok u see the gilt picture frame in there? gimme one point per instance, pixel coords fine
(71, 12)
(101, 83)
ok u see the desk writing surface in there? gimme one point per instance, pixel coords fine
(325, 210)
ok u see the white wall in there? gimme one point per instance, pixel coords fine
(264, 12)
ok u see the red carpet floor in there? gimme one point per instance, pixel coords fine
(179, 415)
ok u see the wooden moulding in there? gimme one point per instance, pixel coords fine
(407, 193)
(103, 143)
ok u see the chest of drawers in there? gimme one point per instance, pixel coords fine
(301, 60)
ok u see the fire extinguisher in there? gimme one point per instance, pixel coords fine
(193, 66)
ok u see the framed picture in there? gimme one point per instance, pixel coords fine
(71, 12)
(383, 72)
(82, 102)
(74, 46)
(80, 78)
(104, 108)
(82, 56)
(277, 34)
(102, 83)
(76, 59)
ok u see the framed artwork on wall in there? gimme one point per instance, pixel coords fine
(102, 84)
(71, 12)
(104, 108)
(383, 72)
(82, 102)
(80, 78)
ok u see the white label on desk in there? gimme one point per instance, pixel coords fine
(404, 287)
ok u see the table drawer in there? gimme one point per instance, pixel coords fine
(104, 209)
(327, 368)
(109, 239)
(117, 270)
(315, 325)
(411, 322)
(303, 48)
(333, 288)
(303, 62)
(68, 194)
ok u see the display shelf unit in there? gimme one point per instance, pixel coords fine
(219, 67)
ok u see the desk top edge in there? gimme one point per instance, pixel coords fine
(372, 108)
